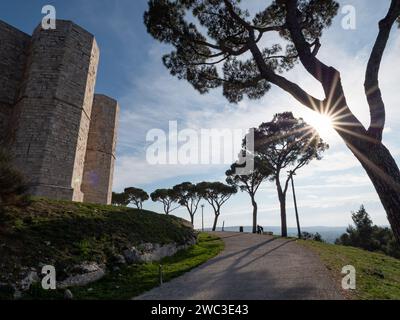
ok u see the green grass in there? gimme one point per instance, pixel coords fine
(133, 280)
(63, 233)
(377, 275)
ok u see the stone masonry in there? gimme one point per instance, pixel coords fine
(60, 134)
(100, 151)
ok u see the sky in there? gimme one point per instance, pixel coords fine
(131, 71)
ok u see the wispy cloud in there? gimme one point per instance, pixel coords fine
(152, 97)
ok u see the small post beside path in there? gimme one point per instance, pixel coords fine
(202, 217)
(160, 271)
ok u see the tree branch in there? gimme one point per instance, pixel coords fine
(174, 208)
(295, 90)
(210, 63)
(269, 29)
(313, 65)
(236, 17)
(247, 25)
(371, 84)
(287, 183)
(317, 46)
(335, 100)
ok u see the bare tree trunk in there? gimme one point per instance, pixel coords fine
(367, 148)
(254, 203)
(385, 176)
(282, 201)
(375, 158)
(215, 222)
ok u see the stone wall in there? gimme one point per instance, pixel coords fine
(100, 154)
(54, 110)
(14, 46)
(47, 86)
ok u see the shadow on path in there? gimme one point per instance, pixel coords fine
(253, 267)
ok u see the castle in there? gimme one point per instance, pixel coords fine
(60, 134)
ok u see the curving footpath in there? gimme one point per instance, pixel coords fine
(253, 267)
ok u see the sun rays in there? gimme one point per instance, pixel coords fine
(323, 124)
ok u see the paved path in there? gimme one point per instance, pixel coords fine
(253, 267)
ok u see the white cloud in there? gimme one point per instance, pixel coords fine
(155, 97)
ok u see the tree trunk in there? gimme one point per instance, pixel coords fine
(215, 222)
(374, 157)
(367, 148)
(192, 219)
(385, 176)
(371, 153)
(282, 201)
(254, 203)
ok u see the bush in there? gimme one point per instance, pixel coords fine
(369, 237)
(13, 189)
(311, 236)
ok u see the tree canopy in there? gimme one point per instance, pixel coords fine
(249, 182)
(167, 197)
(187, 195)
(364, 234)
(287, 143)
(216, 194)
(120, 199)
(136, 196)
(230, 33)
(219, 44)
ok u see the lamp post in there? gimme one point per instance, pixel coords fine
(291, 174)
(202, 217)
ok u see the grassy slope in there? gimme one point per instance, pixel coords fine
(62, 233)
(377, 275)
(136, 279)
(133, 280)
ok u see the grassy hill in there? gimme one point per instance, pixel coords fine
(377, 275)
(133, 280)
(62, 233)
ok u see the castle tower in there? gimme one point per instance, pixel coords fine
(14, 45)
(53, 110)
(100, 154)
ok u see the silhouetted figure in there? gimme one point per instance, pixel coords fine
(260, 230)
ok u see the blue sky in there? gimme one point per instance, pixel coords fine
(131, 71)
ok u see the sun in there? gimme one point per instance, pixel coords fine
(323, 123)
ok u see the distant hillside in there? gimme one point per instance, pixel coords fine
(329, 234)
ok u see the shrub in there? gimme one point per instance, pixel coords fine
(369, 237)
(311, 236)
(13, 189)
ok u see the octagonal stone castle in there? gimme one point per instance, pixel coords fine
(60, 134)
